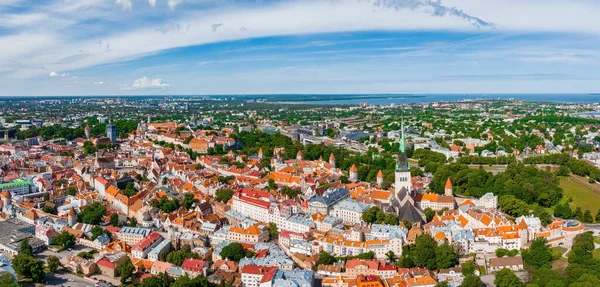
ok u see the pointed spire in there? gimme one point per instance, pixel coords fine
(448, 184)
(380, 173)
(402, 140)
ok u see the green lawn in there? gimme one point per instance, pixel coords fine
(582, 195)
(482, 271)
(560, 265)
(596, 253)
(558, 251)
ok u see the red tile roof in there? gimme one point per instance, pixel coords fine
(194, 265)
(146, 242)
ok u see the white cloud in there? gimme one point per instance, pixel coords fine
(152, 2)
(126, 4)
(31, 53)
(173, 3)
(147, 83)
(99, 83)
(55, 74)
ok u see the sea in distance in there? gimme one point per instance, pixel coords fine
(348, 99)
(379, 99)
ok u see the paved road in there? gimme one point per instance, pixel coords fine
(68, 280)
(488, 280)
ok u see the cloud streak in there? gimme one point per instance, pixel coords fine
(433, 7)
(144, 83)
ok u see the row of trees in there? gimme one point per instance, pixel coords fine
(163, 280)
(563, 210)
(486, 160)
(576, 166)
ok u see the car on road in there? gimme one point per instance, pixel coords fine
(70, 280)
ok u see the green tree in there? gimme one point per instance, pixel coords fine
(538, 255)
(114, 220)
(544, 216)
(92, 214)
(598, 216)
(89, 148)
(390, 255)
(290, 192)
(185, 281)
(7, 279)
(390, 219)
(234, 251)
(407, 224)
(545, 277)
(587, 217)
(442, 284)
(273, 230)
(501, 252)
(129, 190)
(507, 278)
(578, 214)
(29, 267)
(586, 280)
(445, 257)
(370, 215)
(271, 184)
(468, 268)
(125, 269)
(97, 231)
(471, 281)
(48, 209)
(326, 258)
(425, 250)
(53, 263)
(429, 213)
(563, 211)
(71, 191)
(25, 248)
(188, 200)
(223, 195)
(181, 255)
(152, 282)
(64, 239)
(132, 222)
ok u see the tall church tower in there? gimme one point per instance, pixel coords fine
(402, 174)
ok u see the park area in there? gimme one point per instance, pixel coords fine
(585, 195)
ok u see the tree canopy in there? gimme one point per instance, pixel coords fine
(92, 214)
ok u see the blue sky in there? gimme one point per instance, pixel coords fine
(128, 47)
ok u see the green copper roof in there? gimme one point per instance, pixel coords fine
(14, 183)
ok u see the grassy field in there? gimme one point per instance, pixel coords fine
(560, 265)
(583, 196)
(558, 251)
(596, 253)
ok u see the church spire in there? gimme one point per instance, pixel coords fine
(403, 139)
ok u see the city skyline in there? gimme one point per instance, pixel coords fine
(129, 47)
